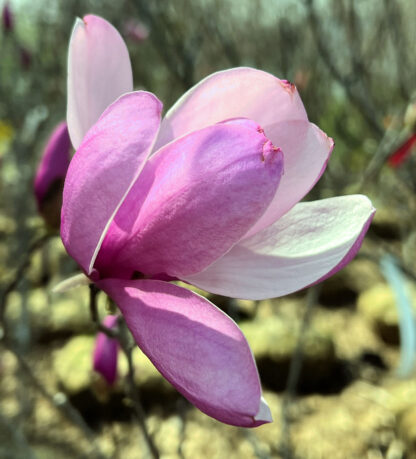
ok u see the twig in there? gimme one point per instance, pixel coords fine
(180, 59)
(36, 244)
(16, 435)
(366, 109)
(295, 368)
(396, 30)
(387, 145)
(58, 400)
(121, 335)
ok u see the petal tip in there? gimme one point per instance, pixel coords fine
(288, 86)
(264, 414)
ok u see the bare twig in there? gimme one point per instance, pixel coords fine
(396, 30)
(295, 368)
(121, 335)
(387, 145)
(17, 436)
(360, 102)
(179, 58)
(59, 400)
(24, 265)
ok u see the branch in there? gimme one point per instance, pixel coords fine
(58, 401)
(121, 335)
(295, 368)
(22, 268)
(361, 103)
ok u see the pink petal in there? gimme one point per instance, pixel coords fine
(54, 163)
(103, 170)
(314, 240)
(195, 346)
(201, 194)
(307, 150)
(99, 71)
(236, 93)
(106, 351)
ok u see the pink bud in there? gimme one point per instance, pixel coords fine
(105, 352)
(50, 175)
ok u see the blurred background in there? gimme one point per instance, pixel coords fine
(337, 361)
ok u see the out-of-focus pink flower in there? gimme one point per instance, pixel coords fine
(25, 58)
(106, 352)
(202, 197)
(400, 155)
(136, 30)
(302, 78)
(7, 18)
(50, 175)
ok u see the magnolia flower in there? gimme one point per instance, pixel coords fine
(209, 195)
(106, 352)
(136, 30)
(50, 175)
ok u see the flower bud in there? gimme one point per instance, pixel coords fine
(105, 352)
(51, 174)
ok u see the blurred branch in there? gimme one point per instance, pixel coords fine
(59, 400)
(121, 335)
(179, 58)
(389, 143)
(24, 265)
(358, 100)
(17, 437)
(285, 447)
(396, 30)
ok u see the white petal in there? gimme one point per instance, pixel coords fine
(241, 92)
(99, 71)
(264, 414)
(311, 242)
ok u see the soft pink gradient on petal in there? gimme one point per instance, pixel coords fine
(202, 193)
(103, 169)
(54, 163)
(306, 153)
(195, 346)
(106, 352)
(238, 92)
(352, 252)
(311, 242)
(99, 71)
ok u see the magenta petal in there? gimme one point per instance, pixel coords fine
(204, 191)
(54, 163)
(195, 346)
(238, 92)
(308, 244)
(99, 71)
(106, 351)
(108, 161)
